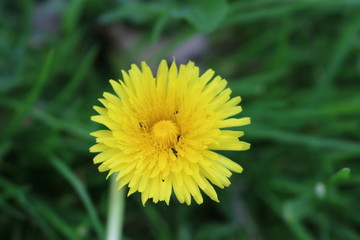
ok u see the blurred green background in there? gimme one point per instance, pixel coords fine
(296, 64)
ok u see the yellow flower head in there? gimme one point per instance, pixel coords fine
(162, 132)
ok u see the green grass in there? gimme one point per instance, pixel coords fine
(295, 63)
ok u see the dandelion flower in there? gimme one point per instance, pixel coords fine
(163, 130)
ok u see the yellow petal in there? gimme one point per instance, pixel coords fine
(234, 122)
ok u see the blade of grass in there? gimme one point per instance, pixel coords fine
(159, 27)
(176, 42)
(21, 198)
(255, 84)
(49, 120)
(72, 14)
(341, 50)
(242, 54)
(160, 228)
(296, 138)
(77, 78)
(9, 192)
(8, 209)
(82, 193)
(248, 16)
(344, 231)
(215, 231)
(294, 222)
(206, 15)
(30, 99)
(35, 216)
(55, 220)
(252, 11)
(71, 128)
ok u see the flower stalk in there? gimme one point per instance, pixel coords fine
(115, 212)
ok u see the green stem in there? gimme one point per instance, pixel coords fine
(115, 212)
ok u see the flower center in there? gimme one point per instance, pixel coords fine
(164, 131)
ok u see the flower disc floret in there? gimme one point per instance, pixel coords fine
(164, 133)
